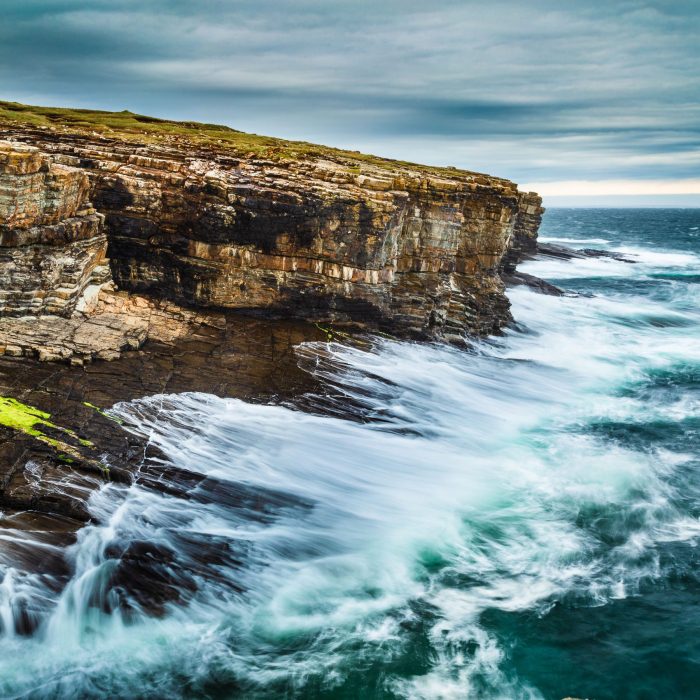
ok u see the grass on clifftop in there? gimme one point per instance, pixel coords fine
(130, 126)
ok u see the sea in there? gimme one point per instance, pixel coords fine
(518, 518)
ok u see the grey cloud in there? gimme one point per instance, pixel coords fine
(538, 90)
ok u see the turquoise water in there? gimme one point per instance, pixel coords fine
(519, 520)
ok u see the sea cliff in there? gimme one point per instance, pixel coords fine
(210, 218)
(199, 259)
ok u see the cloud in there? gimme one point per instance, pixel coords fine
(539, 91)
(615, 187)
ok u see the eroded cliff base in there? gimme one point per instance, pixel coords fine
(116, 322)
(58, 445)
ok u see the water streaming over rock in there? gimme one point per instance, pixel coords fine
(518, 520)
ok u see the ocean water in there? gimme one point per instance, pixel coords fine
(517, 520)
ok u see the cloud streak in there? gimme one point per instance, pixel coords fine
(538, 91)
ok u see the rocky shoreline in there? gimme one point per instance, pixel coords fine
(49, 469)
(45, 486)
(133, 266)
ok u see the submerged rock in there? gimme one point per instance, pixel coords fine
(595, 253)
(536, 283)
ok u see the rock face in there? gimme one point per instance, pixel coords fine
(386, 246)
(52, 243)
(523, 243)
(394, 250)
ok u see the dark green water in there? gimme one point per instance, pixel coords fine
(645, 645)
(517, 521)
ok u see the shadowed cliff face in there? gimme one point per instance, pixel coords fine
(381, 245)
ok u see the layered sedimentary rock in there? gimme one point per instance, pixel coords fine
(388, 246)
(523, 242)
(397, 250)
(52, 242)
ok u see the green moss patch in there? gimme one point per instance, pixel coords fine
(19, 416)
(34, 422)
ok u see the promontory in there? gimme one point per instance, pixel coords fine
(209, 218)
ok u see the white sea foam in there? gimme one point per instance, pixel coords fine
(661, 259)
(554, 268)
(455, 484)
(645, 262)
(577, 241)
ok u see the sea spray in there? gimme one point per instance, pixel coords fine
(439, 523)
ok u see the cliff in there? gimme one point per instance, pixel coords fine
(209, 217)
(193, 223)
(52, 243)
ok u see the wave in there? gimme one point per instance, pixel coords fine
(665, 259)
(361, 542)
(559, 239)
(644, 262)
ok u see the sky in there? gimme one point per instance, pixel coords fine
(586, 102)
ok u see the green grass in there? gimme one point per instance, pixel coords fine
(129, 126)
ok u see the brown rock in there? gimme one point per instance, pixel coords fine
(52, 245)
(381, 245)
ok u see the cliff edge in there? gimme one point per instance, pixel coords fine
(209, 217)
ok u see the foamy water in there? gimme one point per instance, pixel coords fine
(394, 544)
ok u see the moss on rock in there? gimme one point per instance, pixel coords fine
(33, 422)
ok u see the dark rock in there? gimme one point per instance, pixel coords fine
(594, 253)
(551, 250)
(43, 497)
(539, 285)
